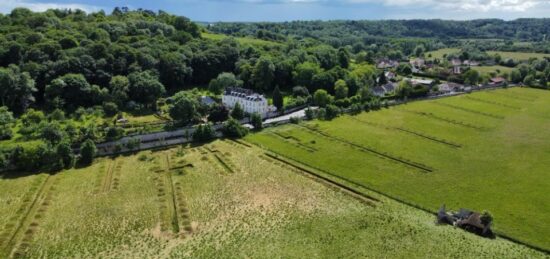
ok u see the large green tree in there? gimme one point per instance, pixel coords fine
(184, 108)
(145, 87)
(16, 89)
(263, 73)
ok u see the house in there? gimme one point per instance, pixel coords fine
(418, 62)
(386, 64)
(497, 81)
(450, 87)
(471, 63)
(468, 220)
(384, 90)
(250, 102)
(457, 70)
(416, 81)
(456, 62)
(207, 100)
(390, 75)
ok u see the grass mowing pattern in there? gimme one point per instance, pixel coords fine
(502, 168)
(493, 103)
(470, 110)
(381, 154)
(268, 211)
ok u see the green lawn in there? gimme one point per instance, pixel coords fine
(518, 55)
(438, 54)
(483, 151)
(499, 70)
(218, 200)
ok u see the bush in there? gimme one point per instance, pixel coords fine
(295, 120)
(110, 108)
(332, 111)
(300, 91)
(232, 128)
(310, 114)
(237, 112)
(113, 133)
(256, 121)
(133, 144)
(203, 132)
(88, 151)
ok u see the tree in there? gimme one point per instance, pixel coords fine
(256, 121)
(218, 113)
(237, 112)
(332, 111)
(65, 153)
(343, 57)
(404, 89)
(322, 98)
(6, 119)
(16, 89)
(263, 73)
(87, 152)
(119, 87)
(184, 108)
(52, 132)
(277, 98)
(471, 77)
(223, 81)
(173, 70)
(145, 87)
(404, 69)
(70, 91)
(529, 80)
(203, 132)
(340, 89)
(303, 74)
(233, 128)
(382, 80)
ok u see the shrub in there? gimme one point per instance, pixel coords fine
(256, 121)
(203, 132)
(110, 108)
(113, 133)
(295, 120)
(332, 111)
(237, 112)
(87, 152)
(232, 128)
(310, 114)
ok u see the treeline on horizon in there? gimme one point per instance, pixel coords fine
(348, 32)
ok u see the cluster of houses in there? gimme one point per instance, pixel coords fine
(468, 220)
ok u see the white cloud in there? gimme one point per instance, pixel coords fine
(7, 5)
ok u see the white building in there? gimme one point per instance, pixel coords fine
(248, 100)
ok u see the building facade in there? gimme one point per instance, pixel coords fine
(248, 100)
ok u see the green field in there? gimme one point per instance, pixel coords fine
(483, 151)
(220, 200)
(438, 54)
(499, 70)
(518, 55)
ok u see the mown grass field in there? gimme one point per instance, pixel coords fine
(518, 55)
(224, 200)
(438, 54)
(482, 151)
(499, 70)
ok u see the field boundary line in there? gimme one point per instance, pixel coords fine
(447, 120)
(367, 199)
(168, 175)
(486, 114)
(108, 176)
(413, 164)
(418, 134)
(518, 97)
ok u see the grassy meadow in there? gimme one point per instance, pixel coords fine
(499, 70)
(483, 151)
(440, 53)
(223, 199)
(518, 55)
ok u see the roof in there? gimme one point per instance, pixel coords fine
(498, 79)
(244, 93)
(473, 220)
(207, 100)
(449, 86)
(416, 81)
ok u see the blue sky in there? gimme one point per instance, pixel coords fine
(284, 10)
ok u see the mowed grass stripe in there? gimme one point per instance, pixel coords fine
(486, 114)
(382, 154)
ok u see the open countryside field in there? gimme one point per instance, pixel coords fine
(207, 201)
(482, 151)
(499, 70)
(518, 55)
(440, 53)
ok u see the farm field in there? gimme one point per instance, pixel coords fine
(207, 201)
(499, 70)
(518, 55)
(438, 54)
(482, 151)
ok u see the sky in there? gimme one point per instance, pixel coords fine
(287, 10)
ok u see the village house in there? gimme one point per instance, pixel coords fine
(471, 63)
(386, 64)
(468, 220)
(418, 62)
(497, 81)
(248, 100)
(384, 90)
(450, 87)
(456, 62)
(416, 81)
(457, 70)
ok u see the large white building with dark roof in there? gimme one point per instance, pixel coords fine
(248, 100)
